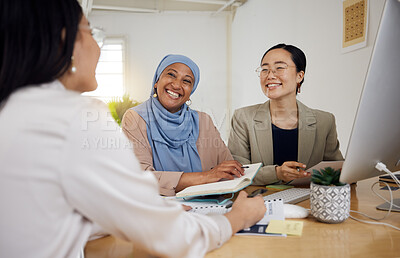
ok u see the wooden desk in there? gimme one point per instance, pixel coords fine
(348, 239)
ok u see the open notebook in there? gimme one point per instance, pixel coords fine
(222, 187)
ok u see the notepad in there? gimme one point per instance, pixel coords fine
(274, 212)
(279, 187)
(294, 228)
(203, 207)
(222, 187)
(388, 178)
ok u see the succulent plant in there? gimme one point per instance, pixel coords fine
(326, 176)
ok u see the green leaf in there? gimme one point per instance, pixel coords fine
(326, 176)
(118, 107)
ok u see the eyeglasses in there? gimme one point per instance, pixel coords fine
(97, 34)
(277, 69)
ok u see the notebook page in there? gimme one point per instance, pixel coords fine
(222, 186)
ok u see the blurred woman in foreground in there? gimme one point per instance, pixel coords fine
(53, 187)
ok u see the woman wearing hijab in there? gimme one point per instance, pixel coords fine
(170, 139)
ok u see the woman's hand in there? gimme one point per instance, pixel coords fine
(246, 211)
(226, 170)
(291, 170)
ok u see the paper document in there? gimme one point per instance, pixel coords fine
(289, 227)
(203, 207)
(274, 212)
(323, 164)
(223, 187)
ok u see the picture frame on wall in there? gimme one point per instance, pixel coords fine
(354, 24)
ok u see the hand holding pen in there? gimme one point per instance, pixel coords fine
(228, 169)
(253, 194)
(247, 210)
(291, 170)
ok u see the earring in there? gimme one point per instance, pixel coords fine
(73, 68)
(189, 102)
(155, 93)
(298, 87)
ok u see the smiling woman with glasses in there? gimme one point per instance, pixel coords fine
(283, 133)
(277, 69)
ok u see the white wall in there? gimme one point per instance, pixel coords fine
(150, 37)
(333, 81)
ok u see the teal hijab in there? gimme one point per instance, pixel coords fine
(172, 136)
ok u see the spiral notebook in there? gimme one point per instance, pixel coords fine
(207, 207)
(274, 212)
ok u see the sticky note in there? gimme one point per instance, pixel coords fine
(289, 227)
(279, 187)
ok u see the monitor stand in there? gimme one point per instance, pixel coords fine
(385, 206)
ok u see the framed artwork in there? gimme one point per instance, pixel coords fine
(355, 24)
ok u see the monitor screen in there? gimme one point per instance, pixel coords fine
(375, 136)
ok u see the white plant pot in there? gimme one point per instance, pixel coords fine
(330, 204)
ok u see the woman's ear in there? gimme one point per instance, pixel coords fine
(300, 76)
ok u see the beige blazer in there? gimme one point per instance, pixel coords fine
(250, 139)
(212, 149)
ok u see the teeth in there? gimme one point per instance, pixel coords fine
(173, 94)
(273, 85)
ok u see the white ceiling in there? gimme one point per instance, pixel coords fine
(156, 6)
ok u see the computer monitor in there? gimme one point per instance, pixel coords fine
(376, 131)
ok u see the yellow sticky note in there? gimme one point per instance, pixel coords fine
(279, 187)
(290, 227)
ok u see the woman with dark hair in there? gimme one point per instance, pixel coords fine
(55, 183)
(181, 146)
(283, 133)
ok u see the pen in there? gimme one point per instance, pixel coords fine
(288, 182)
(241, 167)
(253, 194)
(257, 192)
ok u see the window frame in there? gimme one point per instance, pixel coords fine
(109, 40)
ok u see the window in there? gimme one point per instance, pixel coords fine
(110, 71)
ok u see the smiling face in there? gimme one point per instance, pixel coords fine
(174, 86)
(283, 85)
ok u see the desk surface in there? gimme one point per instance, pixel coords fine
(348, 239)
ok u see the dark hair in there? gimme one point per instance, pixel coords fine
(298, 56)
(36, 41)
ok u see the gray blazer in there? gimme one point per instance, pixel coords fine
(250, 139)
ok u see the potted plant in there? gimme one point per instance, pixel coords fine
(118, 107)
(329, 198)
